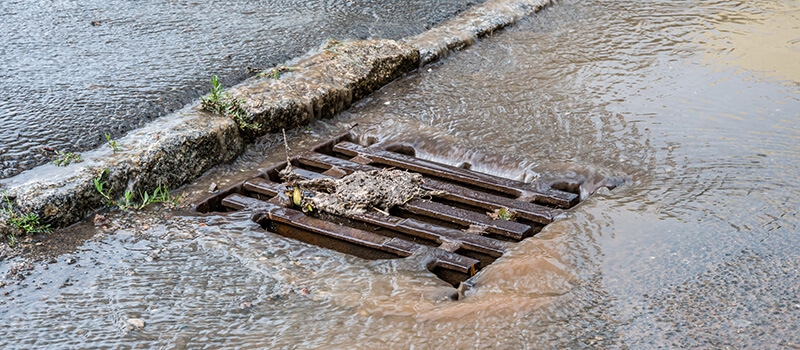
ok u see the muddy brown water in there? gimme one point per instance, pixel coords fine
(75, 70)
(699, 249)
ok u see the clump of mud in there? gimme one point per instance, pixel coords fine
(358, 192)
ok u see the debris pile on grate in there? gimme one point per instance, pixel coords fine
(380, 204)
(358, 192)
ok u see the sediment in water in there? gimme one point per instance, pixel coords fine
(180, 147)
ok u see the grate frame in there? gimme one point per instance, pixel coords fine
(453, 228)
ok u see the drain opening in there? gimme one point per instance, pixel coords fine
(455, 227)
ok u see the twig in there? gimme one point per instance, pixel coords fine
(286, 145)
(288, 173)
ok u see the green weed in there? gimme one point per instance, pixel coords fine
(220, 102)
(100, 185)
(112, 143)
(65, 158)
(160, 195)
(502, 214)
(128, 202)
(28, 223)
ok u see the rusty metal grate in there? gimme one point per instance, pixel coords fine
(454, 226)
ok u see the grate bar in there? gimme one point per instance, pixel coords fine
(488, 201)
(439, 234)
(517, 189)
(530, 211)
(264, 186)
(465, 217)
(415, 227)
(266, 211)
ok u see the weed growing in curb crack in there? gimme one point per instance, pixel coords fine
(65, 158)
(221, 102)
(28, 223)
(160, 195)
(100, 185)
(112, 143)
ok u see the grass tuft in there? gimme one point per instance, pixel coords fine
(112, 143)
(27, 223)
(129, 202)
(220, 102)
(65, 158)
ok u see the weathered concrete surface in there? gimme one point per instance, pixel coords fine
(168, 152)
(462, 31)
(178, 148)
(326, 83)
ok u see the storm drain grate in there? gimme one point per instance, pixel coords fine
(458, 226)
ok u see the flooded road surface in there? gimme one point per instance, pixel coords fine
(75, 70)
(699, 249)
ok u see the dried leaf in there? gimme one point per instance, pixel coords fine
(502, 214)
(297, 196)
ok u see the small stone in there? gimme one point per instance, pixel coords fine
(213, 188)
(100, 220)
(246, 305)
(71, 261)
(136, 323)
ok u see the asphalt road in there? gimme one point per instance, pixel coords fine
(74, 71)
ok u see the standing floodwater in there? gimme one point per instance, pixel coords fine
(698, 250)
(75, 70)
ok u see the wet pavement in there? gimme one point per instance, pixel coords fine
(76, 71)
(698, 250)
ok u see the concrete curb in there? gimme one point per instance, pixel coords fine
(168, 152)
(326, 83)
(462, 31)
(180, 147)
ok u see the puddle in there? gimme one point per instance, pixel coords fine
(763, 37)
(698, 250)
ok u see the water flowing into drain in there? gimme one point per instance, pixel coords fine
(465, 221)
